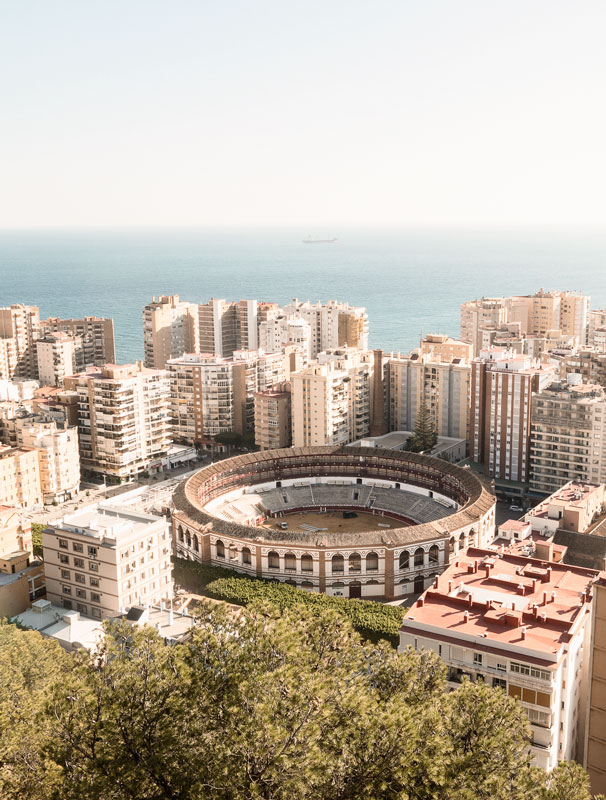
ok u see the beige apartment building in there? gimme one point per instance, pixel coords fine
(273, 417)
(332, 325)
(596, 321)
(278, 332)
(567, 436)
(595, 713)
(503, 384)
(20, 478)
(56, 356)
(170, 328)
(332, 398)
(549, 315)
(212, 395)
(438, 375)
(101, 560)
(589, 362)
(20, 324)
(95, 333)
(225, 327)
(21, 577)
(123, 419)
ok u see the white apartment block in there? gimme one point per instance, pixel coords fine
(521, 625)
(225, 327)
(20, 325)
(170, 328)
(503, 384)
(212, 395)
(96, 335)
(278, 332)
(596, 329)
(331, 400)
(332, 324)
(568, 437)
(101, 560)
(20, 478)
(123, 419)
(56, 356)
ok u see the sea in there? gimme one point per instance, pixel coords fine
(411, 281)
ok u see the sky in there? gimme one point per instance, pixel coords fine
(449, 113)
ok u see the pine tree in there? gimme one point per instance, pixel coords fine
(425, 436)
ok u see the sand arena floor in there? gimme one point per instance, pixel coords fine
(333, 521)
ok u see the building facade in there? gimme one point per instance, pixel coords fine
(273, 417)
(20, 478)
(225, 327)
(170, 328)
(20, 328)
(56, 356)
(95, 333)
(101, 560)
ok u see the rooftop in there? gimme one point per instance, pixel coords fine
(507, 600)
(107, 523)
(574, 494)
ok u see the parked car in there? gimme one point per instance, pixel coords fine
(515, 507)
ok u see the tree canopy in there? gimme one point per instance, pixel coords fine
(425, 436)
(258, 704)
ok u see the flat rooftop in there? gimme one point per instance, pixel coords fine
(572, 494)
(103, 520)
(506, 599)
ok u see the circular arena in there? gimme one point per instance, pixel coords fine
(347, 521)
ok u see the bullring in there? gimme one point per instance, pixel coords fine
(298, 515)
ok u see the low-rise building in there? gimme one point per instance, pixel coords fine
(573, 507)
(21, 576)
(102, 559)
(518, 624)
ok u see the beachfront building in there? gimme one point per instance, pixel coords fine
(170, 328)
(225, 326)
(96, 335)
(56, 356)
(19, 330)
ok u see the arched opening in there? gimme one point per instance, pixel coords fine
(434, 554)
(372, 562)
(290, 562)
(337, 564)
(355, 562)
(461, 541)
(472, 538)
(220, 549)
(180, 533)
(307, 563)
(451, 545)
(188, 539)
(308, 586)
(196, 544)
(419, 585)
(273, 560)
(404, 562)
(355, 589)
(419, 557)
(246, 556)
(338, 589)
(290, 582)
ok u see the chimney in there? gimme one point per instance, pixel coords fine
(435, 583)
(534, 585)
(466, 616)
(421, 602)
(475, 566)
(470, 601)
(449, 587)
(553, 597)
(523, 631)
(544, 598)
(486, 571)
(535, 611)
(543, 616)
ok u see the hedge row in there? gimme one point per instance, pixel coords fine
(372, 620)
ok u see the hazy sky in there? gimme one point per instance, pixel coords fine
(319, 114)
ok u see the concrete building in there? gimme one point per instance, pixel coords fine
(573, 507)
(225, 327)
(519, 624)
(21, 576)
(568, 430)
(279, 331)
(596, 321)
(20, 327)
(332, 399)
(478, 315)
(123, 419)
(588, 362)
(438, 375)
(594, 759)
(332, 324)
(502, 388)
(70, 629)
(58, 458)
(170, 328)
(56, 355)
(95, 333)
(273, 418)
(20, 478)
(212, 395)
(101, 560)
(58, 404)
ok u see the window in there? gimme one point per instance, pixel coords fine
(93, 581)
(220, 548)
(246, 559)
(273, 560)
(419, 557)
(499, 683)
(307, 563)
(67, 589)
(95, 597)
(96, 613)
(372, 562)
(404, 559)
(92, 552)
(355, 562)
(526, 669)
(81, 593)
(80, 578)
(77, 547)
(63, 543)
(65, 574)
(67, 604)
(82, 608)
(63, 558)
(93, 567)
(477, 659)
(290, 562)
(79, 562)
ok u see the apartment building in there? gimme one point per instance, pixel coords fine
(332, 399)
(212, 395)
(588, 362)
(568, 426)
(273, 417)
(56, 357)
(170, 328)
(503, 384)
(101, 560)
(278, 332)
(20, 326)
(123, 419)
(20, 478)
(572, 507)
(549, 315)
(225, 327)
(95, 333)
(518, 624)
(21, 577)
(437, 375)
(596, 321)
(332, 324)
(594, 759)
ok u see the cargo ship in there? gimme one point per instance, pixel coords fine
(311, 240)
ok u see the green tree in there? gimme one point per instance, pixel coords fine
(37, 529)
(425, 436)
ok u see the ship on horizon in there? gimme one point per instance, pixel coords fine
(311, 240)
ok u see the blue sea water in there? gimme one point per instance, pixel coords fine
(410, 281)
